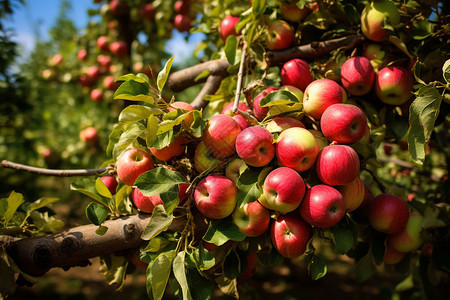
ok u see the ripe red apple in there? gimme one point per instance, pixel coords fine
(409, 239)
(147, 11)
(353, 194)
(375, 15)
(119, 48)
(82, 54)
(118, 7)
(204, 158)
(220, 135)
(174, 149)
(89, 135)
(228, 27)
(252, 218)
(254, 145)
(233, 169)
(337, 165)
(343, 123)
(132, 163)
(293, 13)
(105, 61)
(261, 112)
(290, 235)
(93, 73)
(361, 213)
(323, 206)
(185, 107)
(252, 265)
(283, 190)
(110, 182)
(297, 148)
(85, 80)
(243, 122)
(182, 23)
(320, 94)
(296, 72)
(97, 95)
(388, 213)
(215, 196)
(144, 203)
(279, 124)
(103, 43)
(392, 256)
(394, 85)
(182, 6)
(357, 75)
(279, 35)
(110, 84)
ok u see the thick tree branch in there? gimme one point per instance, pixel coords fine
(53, 172)
(211, 86)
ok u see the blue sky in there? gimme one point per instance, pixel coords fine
(44, 12)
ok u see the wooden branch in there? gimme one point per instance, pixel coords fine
(211, 86)
(240, 77)
(53, 172)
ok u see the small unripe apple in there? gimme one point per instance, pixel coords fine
(204, 158)
(293, 13)
(233, 169)
(375, 15)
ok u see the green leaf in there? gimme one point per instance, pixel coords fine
(102, 189)
(422, 116)
(179, 270)
(446, 71)
(164, 74)
(279, 97)
(14, 201)
(232, 265)
(198, 125)
(114, 137)
(159, 222)
(221, 231)
(270, 258)
(318, 267)
(158, 181)
(135, 91)
(129, 136)
(345, 234)
(121, 197)
(378, 247)
(96, 213)
(85, 186)
(7, 279)
(160, 270)
(155, 244)
(201, 287)
(170, 199)
(245, 18)
(201, 258)
(421, 29)
(364, 268)
(114, 268)
(202, 75)
(231, 47)
(163, 140)
(101, 230)
(152, 130)
(258, 7)
(41, 203)
(248, 188)
(130, 76)
(135, 113)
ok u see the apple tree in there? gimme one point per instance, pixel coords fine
(316, 130)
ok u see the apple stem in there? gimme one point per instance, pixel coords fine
(240, 77)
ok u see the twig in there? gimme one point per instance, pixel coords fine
(53, 172)
(239, 79)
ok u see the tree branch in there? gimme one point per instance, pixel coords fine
(211, 86)
(53, 172)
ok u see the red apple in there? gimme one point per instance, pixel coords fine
(103, 43)
(361, 213)
(290, 235)
(110, 84)
(233, 169)
(388, 213)
(82, 54)
(119, 48)
(252, 264)
(293, 13)
(104, 61)
(337, 165)
(144, 203)
(174, 149)
(297, 148)
(110, 182)
(204, 158)
(220, 135)
(118, 7)
(392, 256)
(279, 124)
(252, 218)
(182, 23)
(185, 107)
(409, 239)
(89, 135)
(215, 196)
(243, 122)
(254, 145)
(93, 73)
(323, 206)
(394, 85)
(353, 194)
(261, 112)
(97, 95)
(320, 94)
(343, 123)
(283, 190)
(375, 15)
(182, 6)
(357, 75)
(147, 12)
(228, 27)
(56, 60)
(279, 35)
(85, 80)
(132, 163)
(296, 72)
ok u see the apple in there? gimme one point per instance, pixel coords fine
(220, 135)
(233, 169)
(104, 61)
(279, 124)
(118, 7)
(103, 43)
(320, 139)
(357, 75)
(283, 190)
(182, 6)
(353, 194)
(252, 265)
(279, 35)
(56, 60)
(290, 235)
(293, 13)
(144, 203)
(97, 95)
(409, 239)
(215, 196)
(323, 206)
(394, 85)
(242, 121)
(296, 72)
(89, 135)
(375, 15)
(375, 54)
(254, 145)
(228, 27)
(343, 123)
(110, 182)
(392, 256)
(261, 112)
(361, 213)
(110, 84)
(82, 54)
(147, 12)
(204, 158)
(119, 48)
(48, 74)
(132, 163)
(320, 94)
(185, 107)
(252, 218)
(85, 80)
(182, 23)
(297, 148)
(174, 149)
(93, 73)
(337, 165)
(388, 213)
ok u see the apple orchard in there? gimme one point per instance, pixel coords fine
(303, 134)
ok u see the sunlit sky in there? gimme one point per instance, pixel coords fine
(38, 16)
